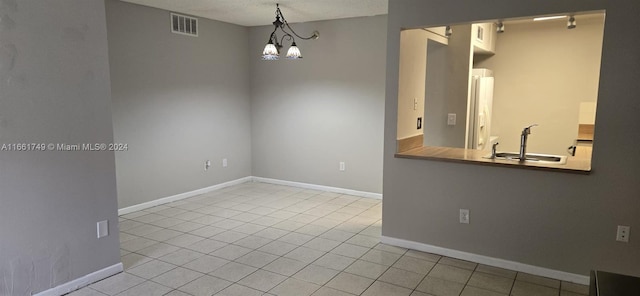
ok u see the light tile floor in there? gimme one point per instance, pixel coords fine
(263, 239)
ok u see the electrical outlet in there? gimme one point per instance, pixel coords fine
(103, 228)
(623, 233)
(451, 119)
(464, 216)
(207, 165)
(342, 166)
(415, 104)
(224, 163)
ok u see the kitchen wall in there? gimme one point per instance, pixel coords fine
(177, 102)
(413, 64)
(543, 72)
(447, 89)
(54, 85)
(558, 221)
(309, 115)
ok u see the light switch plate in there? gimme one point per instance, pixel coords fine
(342, 166)
(451, 119)
(464, 216)
(224, 163)
(103, 228)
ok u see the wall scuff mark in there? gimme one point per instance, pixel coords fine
(6, 23)
(72, 34)
(9, 5)
(22, 275)
(8, 54)
(4, 280)
(60, 270)
(19, 82)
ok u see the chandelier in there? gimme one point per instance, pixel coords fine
(272, 49)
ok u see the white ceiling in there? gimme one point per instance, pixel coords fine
(262, 12)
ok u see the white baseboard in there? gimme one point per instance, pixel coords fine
(181, 196)
(193, 193)
(319, 187)
(83, 281)
(496, 262)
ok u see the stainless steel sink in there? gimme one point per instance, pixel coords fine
(531, 157)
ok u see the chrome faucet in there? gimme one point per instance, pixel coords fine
(493, 150)
(523, 142)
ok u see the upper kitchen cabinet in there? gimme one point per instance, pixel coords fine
(484, 38)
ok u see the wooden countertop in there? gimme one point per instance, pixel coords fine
(580, 164)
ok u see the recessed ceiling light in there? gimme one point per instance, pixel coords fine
(546, 18)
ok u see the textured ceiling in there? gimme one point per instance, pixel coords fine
(262, 12)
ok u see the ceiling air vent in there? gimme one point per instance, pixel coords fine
(182, 24)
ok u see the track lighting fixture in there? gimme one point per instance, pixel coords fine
(500, 27)
(547, 18)
(448, 31)
(571, 23)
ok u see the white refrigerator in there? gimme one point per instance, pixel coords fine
(479, 108)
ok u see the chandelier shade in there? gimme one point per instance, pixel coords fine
(294, 52)
(270, 52)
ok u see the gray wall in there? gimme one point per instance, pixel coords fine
(556, 220)
(177, 102)
(54, 88)
(447, 89)
(310, 114)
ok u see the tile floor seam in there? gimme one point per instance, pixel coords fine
(378, 279)
(513, 283)
(420, 281)
(140, 284)
(469, 279)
